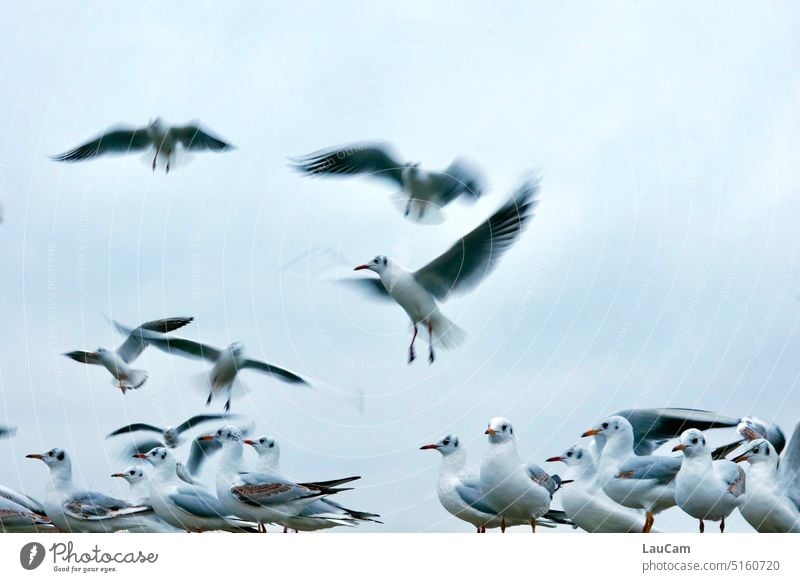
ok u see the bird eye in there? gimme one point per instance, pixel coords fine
(49, 453)
(605, 425)
(569, 454)
(60, 456)
(694, 441)
(446, 442)
(271, 445)
(132, 472)
(505, 427)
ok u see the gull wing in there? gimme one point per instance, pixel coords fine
(277, 372)
(369, 287)
(199, 419)
(178, 345)
(116, 141)
(543, 478)
(135, 343)
(652, 427)
(473, 257)
(733, 475)
(789, 468)
(93, 505)
(194, 138)
(470, 493)
(84, 357)
(661, 469)
(460, 177)
(135, 427)
(197, 502)
(376, 159)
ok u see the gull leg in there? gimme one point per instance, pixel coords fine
(167, 168)
(122, 387)
(431, 357)
(210, 398)
(533, 525)
(285, 529)
(155, 157)
(702, 526)
(479, 529)
(503, 525)
(648, 522)
(483, 529)
(722, 525)
(411, 355)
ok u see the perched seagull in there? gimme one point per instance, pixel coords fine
(139, 494)
(262, 497)
(772, 500)
(117, 362)
(21, 499)
(171, 436)
(458, 270)
(16, 518)
(517, 492)
(228, 362)
(459, 489)
(638, 481)
(422, 192)
(7, 431)
(584, 501)
(704, 488)
(163, 139)
(323, 513)
(751, 429)
(77, 511)
(182, 505)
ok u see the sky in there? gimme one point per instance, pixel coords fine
(661, 268)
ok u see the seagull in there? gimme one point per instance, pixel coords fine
(228, 362)
(638, 481)
(584, 501)
(422, 192)
(751, 429)
(172, 437)
(772, 500)
(704, 488)
(164, 140)
(21, 499)
(517, 492)
(323, 513)
(117, 362)
(78, 511)
(458, 270)
(139, 494)
(262, 497)
(459, 489)
(183, 505)
(16, 518)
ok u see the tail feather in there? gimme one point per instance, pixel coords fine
(446, 333)
(135, 379)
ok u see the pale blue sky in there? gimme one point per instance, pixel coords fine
(661, 268)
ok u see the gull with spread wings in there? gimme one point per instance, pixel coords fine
(422, 192)
(118, 362)
(458, 270)
(162, 139)
(227, 362)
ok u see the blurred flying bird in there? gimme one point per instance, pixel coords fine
(163, 140)
(422, 192)
(117, 362)
(458, 270)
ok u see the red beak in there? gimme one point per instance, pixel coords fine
(140, 456)
(554, 459)
(207, 437)
(249, 442)
(118, 474)
(361, 267)
(678, 448)
(34, 456)
(591, 432)
(428, 447)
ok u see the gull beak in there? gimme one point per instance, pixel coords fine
(361, 267)
(35, 456)
(428, 447)
(140, 456)
(591, 432)
(490, 431)
(249, 442)
(207, 437)
(740, 458)
(117, 474)
(554, 459)
(677, 448)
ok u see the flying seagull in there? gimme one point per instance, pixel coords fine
(117, 362)
(458, 270)
(171, 436)
(163, 140)
(422, 192)
(227, 361)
